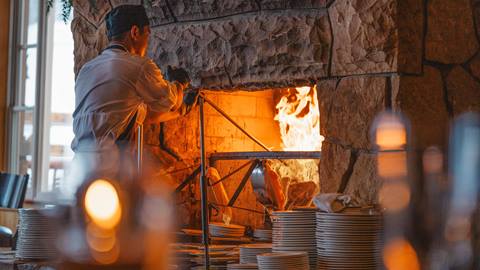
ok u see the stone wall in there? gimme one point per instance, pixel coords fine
(419, 57)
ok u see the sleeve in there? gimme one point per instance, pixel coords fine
(160, 95)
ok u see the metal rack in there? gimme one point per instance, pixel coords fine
(254, 158)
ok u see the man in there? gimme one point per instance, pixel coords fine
(117, 91)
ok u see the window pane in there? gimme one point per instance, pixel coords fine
(30, 77)
(26, 142)
(62, 103)
(33, 14)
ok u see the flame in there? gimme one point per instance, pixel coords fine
(102, 204)
(299, 119)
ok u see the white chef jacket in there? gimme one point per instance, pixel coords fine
(111, 91)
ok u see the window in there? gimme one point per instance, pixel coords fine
(41, 96)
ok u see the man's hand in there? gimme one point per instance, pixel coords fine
(177, 74)
(190, 97)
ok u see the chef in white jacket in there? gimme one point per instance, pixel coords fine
(117, 91)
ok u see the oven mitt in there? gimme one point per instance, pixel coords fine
(177, 74)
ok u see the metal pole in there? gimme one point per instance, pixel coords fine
(220, 111)
(203, 184)
(139, 149)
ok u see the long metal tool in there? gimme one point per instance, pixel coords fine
(204, 184)
(243, 183)
(139, 149)
(188, 179)
(224, 114)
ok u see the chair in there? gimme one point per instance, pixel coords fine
(13, 188)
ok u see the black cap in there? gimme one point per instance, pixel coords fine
(122, 18)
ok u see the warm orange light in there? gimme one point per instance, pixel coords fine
(299, 119)
(394, 196)
(102, 204)
(390, 133)
(101, 240)
(398, 254)
(392, 165)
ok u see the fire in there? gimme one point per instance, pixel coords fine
(299, 120)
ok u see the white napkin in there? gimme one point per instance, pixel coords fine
(332, 202)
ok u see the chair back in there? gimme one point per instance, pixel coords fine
(13, 188)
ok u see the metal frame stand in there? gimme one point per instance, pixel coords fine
(254, 157)
(203, 185)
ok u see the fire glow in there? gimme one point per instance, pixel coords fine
(299, 120)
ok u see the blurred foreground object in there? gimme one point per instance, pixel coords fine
(462, 216)
(390, 134)
(118, 225)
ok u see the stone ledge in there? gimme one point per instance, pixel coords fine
(265, 50)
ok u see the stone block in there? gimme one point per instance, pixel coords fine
(364, 182)
(421, 100)
(463, 91)
(474, 66)
(365, 36)
(89, 41)
(325, 93)
(188, 10)
(350, 110)
(410, 24)
(181, 136)
(333, 165)
(94, 14)
(451, 35)
(158, 13)
(284, 4)
(250, 51)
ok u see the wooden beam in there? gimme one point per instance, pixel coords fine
(4, 42)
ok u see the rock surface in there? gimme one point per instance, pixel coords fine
(421, 99)
(463, 91)
(364, 183)
(251, 51)
(410, 24)
(188, 10)
(284, 4)
(350, 109)
(93, 14)
(333, 165)
(89, 41)
(365, 36)
(451, 35)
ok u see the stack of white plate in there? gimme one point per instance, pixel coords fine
(223, 230)
(349, 240)
(295, 231)
(36, 235)
(220, 256)
(264, 235)
(248, 253)
(284, 261)
(243, 266)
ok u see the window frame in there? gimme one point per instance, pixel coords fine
(19, 22)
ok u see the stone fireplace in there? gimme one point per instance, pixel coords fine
(364, 56)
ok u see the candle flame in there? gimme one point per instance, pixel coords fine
(102, 204)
